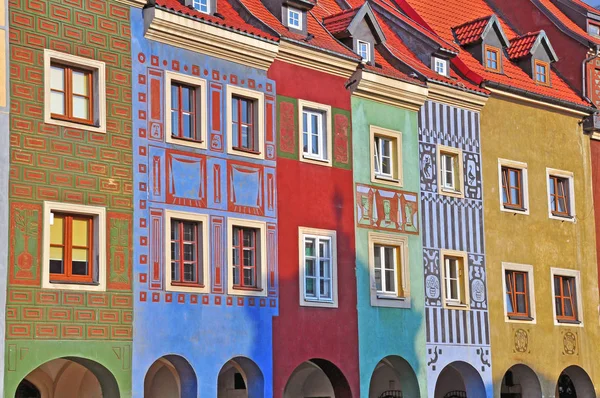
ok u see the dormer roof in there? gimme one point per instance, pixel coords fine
(476, 30)
(527, 44)
(345, 23)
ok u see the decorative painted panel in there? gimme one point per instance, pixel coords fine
(386, 209)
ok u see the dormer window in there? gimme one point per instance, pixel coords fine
(542, 72)
(594, 29)
(492, 59)
(363, 49)
(202, 6)
(440, 66)
(294, 18)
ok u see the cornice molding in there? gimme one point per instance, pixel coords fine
(517, 97)
(456, 97)
(303, 56)
(132, 3)
(189, 34)
(391, 91)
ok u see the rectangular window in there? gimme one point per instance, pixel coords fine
(386, 264)
(559, 196)
(389, 270)
(71, 248)
(517, 294)
(383, 159)
(565, 298)
(364, 50)
(440, 66)
(243, 124)
(245, 257)
(594, 29)
(542, 70)
(455, 279)
(492, 59)
(202, 6)
(512, 188)
(186, 253)
(294, 18)
(314, 141)
(318, 282)
(183, 112)
(449, 171)
(72, 96)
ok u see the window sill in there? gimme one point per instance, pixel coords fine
(390, 297)
(83, 122)
(515, 209)
(247, 289)
(568, 321)
(97, 128)
(318, 303)
(562, 217)
(188, 140)
(451, 191)
(456, 306)
(59, 282)
(388, 179)
(387, 301)
(314, 158)
(189, 285)
(247, 151)
(519, 318)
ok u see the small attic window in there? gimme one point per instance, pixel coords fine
(294, 18)
(202, 6)
(594, 29)
(440, 66)
(542, 72)
(492, 59)
(363, 48)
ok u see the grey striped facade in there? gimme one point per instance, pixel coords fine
(453, 224)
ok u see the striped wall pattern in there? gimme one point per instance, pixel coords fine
(457, 327)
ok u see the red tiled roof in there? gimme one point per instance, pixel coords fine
(442, 16)
(231, 20)
(566, 21)
(470, 32)
(586, 6)
(339, 22)
(521, 46)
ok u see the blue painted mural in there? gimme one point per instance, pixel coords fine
(203, 325)
(456, 312)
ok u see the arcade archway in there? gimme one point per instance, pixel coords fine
(459, 380)
(520, 381)
(393, 377)
(317, 378)
(170, 377)
(240, 378)
(574, 382)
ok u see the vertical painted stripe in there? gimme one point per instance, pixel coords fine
(455, 220)
(479, 327)
(459, 315)
(450, 324)
(487, 328)
(443, 324)
(436, 226)
(465, 328)
(463, 225)
(473, 326)
(427, 325)
(477, 231)
(436, 336)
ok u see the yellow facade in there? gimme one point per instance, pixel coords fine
(542, 137)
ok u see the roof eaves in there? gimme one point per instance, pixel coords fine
(563, 27)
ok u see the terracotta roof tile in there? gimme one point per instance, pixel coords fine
(521, 46)
(470, 32)
(231, 19)
(338, 23)
(441, 17)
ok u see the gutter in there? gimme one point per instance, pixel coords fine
(542, 98)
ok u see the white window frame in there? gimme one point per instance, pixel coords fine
(525, 185)
(304, 233)
(367, 47)
(569, 176)
(592, 26)
(458, 190)
(261, 264)
(440, 66)
(259, 97)
(395, 138)
(98, 70)
(290, 12)
(453, 304)
(325, 139)
(198, 4)
(530, 288)
(99, 255)
(379, 299)
(193, 217)
(575, 274)
(200, 85)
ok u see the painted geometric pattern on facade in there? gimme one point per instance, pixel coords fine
(200, 179)
(289, 132)
(386, 209)
(59, 164)
(455, 224)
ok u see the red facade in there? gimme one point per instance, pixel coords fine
(317, 196)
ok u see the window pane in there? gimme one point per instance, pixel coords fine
(56, 266)
(557, 303)
(568, 307)
(248, 237)
(188, 128)
(236, 276)
(325, 269)
(390, 281)
(453, 269)
(248, 258)
(309, 247)
(235, 110)
(80, 232)
(326, 288)
(80, 83)
(189, 272)
(310, 287)
(378, 279)
(174, 96)
(324, 248)
(57, 78)
(310, 267)
(521, 303)
(389, 258)
(186, 97)
(57, 103)
(454, 289)
(305, 142)
(57, 231)
(81, 107)
(377, 253)
(509, 306)
(520, 282)
(315, 144)
(174, 123)
(189, 252)
(248, 277)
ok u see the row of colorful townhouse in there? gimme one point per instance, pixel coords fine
(285, 198)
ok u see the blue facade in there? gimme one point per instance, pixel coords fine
(199, 332)
(458, 336)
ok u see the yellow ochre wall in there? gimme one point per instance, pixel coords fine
(541, 137)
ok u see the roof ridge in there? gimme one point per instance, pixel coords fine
(473, 21)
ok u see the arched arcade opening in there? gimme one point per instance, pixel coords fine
(170, 376)
(240, 378)
(69, 377)
(393, 377)
(317, 378)
(574, 382)
(459, 380)
(520, 381)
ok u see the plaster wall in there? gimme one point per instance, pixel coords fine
(4, 174)
(541, 138)
(388, 331)
(205, 327)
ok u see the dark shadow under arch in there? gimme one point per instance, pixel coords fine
(248, 371)
(331, 379)
(178, 379)
(520, 381)
(393, 377)
(574, 377)
(459, 379)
